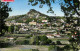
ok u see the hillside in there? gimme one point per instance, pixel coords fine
(32, 13)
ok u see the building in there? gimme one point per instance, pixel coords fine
(57, 35)
(8, 24)
(78, 28)
(44, 20)
(32, 23)
(50, 36)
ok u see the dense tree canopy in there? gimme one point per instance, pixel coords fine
(3, 15)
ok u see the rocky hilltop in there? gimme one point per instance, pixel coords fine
(32, 13)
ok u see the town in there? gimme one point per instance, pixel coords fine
(37, 24)
(50, 25)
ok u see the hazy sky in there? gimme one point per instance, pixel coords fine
(20, 7)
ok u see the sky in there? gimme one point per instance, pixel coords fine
(20, 7)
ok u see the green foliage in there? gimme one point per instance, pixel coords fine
(5, 45)
(40, 40)
(67, 47)
(56, 48)
(58, 42)
(49, 41)
(35, 50)
(30, 19)
(45, 25)
(54, 25)
(34, 40)
(16, 28)
(28, 36)
(11, 29)
(26, 41)
(19, 21)
(67, 6)
(43, 38)
(51, 48)
(3, 15)
(22, 42)
(16, 18)
(16, 35)
(72, 40)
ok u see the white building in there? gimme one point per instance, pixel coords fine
(50, 36)
(44, 20)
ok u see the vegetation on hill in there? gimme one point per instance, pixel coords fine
(32, 15)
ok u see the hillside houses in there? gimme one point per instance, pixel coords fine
(21, 24)
(36, 22)
(45, 21)
(36, 26)
(32, 23)
(58, 28)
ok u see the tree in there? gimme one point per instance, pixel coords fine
(74, 41)
(67, 47)
(68, 6)
(40, 40)
(11, 29)
(3, 15)
(34, 40)
(44, 40)
(45, 25)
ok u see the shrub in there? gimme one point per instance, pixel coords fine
(58, 42)
(43, 38)
(4, 45)
(53, 43)
(40, 40)
(28, 36)
(26, 42)
(35, 50)
(51, 48)
(67, 47)
(49, 41)
(22, 42)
